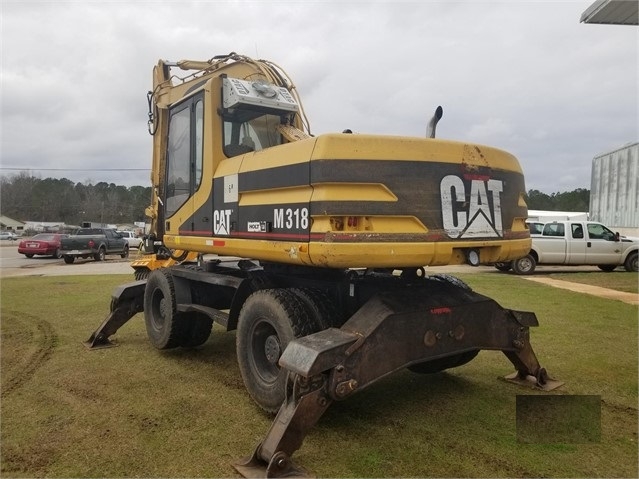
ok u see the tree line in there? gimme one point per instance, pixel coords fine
(28, 198)
(576, 200)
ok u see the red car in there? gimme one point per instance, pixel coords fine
(43, 243)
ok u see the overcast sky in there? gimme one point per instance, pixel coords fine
(526, 77)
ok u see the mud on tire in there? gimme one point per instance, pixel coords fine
(268, 321)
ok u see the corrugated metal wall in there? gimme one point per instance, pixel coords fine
(614, 188)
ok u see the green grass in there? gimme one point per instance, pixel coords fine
(618, 280)
(133, 411)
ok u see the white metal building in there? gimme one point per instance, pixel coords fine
(614, 189)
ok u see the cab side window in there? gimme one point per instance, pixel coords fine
(554, 229)
(184, 153)
(597, 231)
(577, 231)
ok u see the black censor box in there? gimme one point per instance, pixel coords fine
(569, 419)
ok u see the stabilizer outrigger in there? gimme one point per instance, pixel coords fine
(390, 332)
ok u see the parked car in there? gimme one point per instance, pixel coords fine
(93, 243)
(578, 243)
(8, 235)
(47, 244)
(129, 236)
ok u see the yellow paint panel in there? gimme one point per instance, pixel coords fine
(276, 196)
(282, 155)
(352, 192)
(401, 148)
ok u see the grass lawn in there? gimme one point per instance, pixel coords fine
(618, 280)
(133, 411)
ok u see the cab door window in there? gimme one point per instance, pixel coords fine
(184, 154)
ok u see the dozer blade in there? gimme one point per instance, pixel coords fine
(126, 301)
(392, 330)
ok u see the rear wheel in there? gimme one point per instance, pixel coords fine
(268, 321)
(503, 266)
(160, 311)
(29, 255)
(525, 265)
(631, 263)
(125, 253)
(195, 329)
(69, 259)
(607, 267)
(437, 365)
(100, 255)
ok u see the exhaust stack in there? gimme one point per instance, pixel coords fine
(432, 124)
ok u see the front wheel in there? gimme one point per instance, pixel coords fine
(631, 263)
(160, 311)
(57, 254)
(69, 259)
(268, 321)
(125, 253)
(525, 265)
(503, 266)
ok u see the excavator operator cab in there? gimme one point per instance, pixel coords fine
(252, 112)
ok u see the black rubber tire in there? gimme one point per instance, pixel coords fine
(525, 265)
(29, 255)
(631, 263)
(57, 254)
(447, 278)
(320, 309)
(607, 267)
(141, 273)
(268, 321)
(100, 255)
(503, 266)
(195, 329)
(163, 326)
(125, 254)
(69, 259)
(437, 365)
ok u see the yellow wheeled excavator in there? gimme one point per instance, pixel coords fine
(315, 248)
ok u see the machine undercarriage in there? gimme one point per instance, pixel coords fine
(346, 330)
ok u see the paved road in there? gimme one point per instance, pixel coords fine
(14, 264)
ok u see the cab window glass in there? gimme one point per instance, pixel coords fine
(199, 141)
(178, 159)
(243, 134)
(577, 231)
(597, 231)
(554, 229)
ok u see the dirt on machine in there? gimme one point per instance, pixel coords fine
(315, 248)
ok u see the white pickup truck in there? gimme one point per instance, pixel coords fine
(577, 243)
(129, 236)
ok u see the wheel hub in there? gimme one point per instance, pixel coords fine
(163, 306)
(272, 349)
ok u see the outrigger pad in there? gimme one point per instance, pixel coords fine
(280, 466)
(105, 344)
(548, 384)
